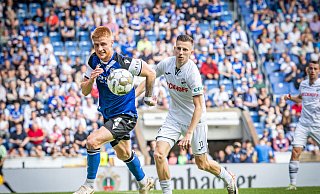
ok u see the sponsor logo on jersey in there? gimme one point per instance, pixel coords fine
(309, 94)
(102, 79)
(167, 73)
(177, 88)
(198, 89)
(126, 61)
(183, 81)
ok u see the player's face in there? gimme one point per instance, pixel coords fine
(183, 51)
(103, 47)
(313, 71)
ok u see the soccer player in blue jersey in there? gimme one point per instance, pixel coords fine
(119, 112)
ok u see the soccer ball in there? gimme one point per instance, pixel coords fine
(120, 82)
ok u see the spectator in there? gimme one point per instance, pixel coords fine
(256, 26)
(248, 154)
(4, 126)
(239, 34)
(37, 138)
(225, 69)
(182, 158)
(52, 21)
(38, 20)
(68, 33)
(250, 99)
(264, 152)
(289, 68)
(220, 96)
(80, 139)
(19, 142)
(173, 160)
(143, 44)
(236, 155)
(280, 143)
(278, 45)
(16, 114)
(209, 69)
(287, 26)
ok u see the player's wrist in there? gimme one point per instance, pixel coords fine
(289, 96)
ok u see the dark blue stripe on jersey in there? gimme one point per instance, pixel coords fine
(111, 105)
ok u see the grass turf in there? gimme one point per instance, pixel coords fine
(301, 190)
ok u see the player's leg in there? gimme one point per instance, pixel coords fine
(160, 156)
(94, 141)
(300, 139)
(315, 134)
(124, 153)
(200, 149)
(167, 136)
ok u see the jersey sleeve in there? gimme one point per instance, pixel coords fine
(194, 81)
(90, 66)
(134, 66)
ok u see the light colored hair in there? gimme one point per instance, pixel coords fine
(100, 32)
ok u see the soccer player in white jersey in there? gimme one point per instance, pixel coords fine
(187, 116)
(309, 122)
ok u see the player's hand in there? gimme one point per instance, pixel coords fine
(95, 73)
(150, 101)
(185, 143)
(287, 97)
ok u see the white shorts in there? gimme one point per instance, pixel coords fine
(302, 133)
(171, 131)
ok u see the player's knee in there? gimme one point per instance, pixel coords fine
(92, 143)
(125, 155)
(159, 156)
(296, 152)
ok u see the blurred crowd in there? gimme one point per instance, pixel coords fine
(45, 45)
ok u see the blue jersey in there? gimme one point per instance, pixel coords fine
(111, 105)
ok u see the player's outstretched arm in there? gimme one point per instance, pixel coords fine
(141, 88)
(150, 75)
(296, 99)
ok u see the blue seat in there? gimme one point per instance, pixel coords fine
(85, 46)
(33, 8)
(259, 128)
(58, 46)
(71, 46)
(204, 27)
(294, 59)
(254, 116)
(270, 67)
(84, 36)
(211, 84)
(276, 77)
(55, 37)
(280, 88)
(226, 17)
(293, 89)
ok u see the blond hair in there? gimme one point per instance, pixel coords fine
(100, 32)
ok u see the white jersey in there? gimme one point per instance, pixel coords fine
(183, 84)
(310, 115)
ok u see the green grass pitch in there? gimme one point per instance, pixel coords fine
(301, 190)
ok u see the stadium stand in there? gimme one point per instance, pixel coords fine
(45, 44)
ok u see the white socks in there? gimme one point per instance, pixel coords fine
(166, 186)
(89, 183)
(293, 171)
(142, 182)
(225, 175)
